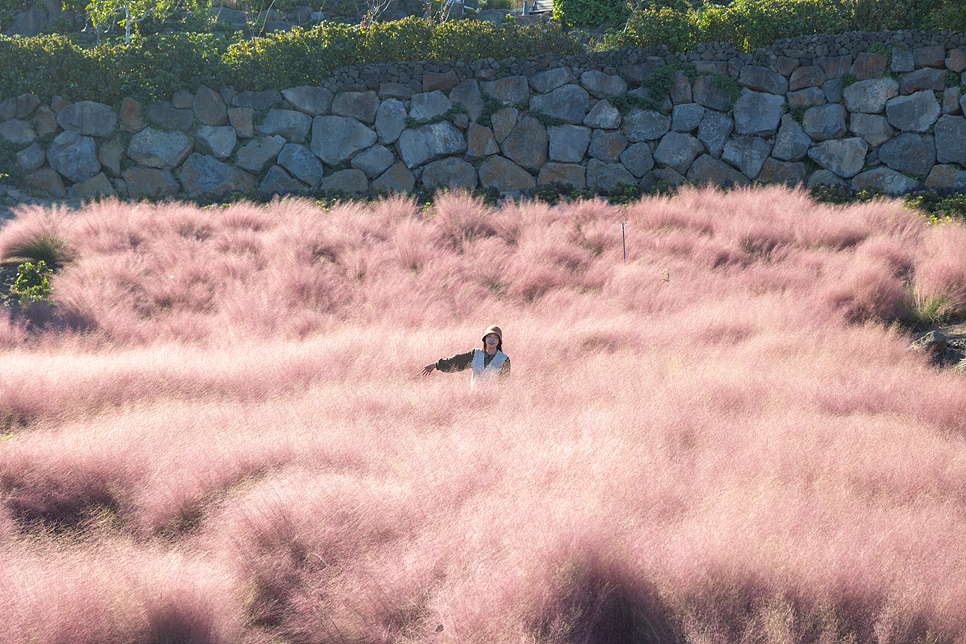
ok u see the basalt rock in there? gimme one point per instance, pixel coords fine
(570, 174)
(397, 179)
(314, 101)
(74, 156)
(914, 113)
(88, 119)
(336, 138)
(291, 125)
(504, 175)
(259, 154)
(201, 174)
(568, 143)
(569, 103)
(427, 143)
(449, 172)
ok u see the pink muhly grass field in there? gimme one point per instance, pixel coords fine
(220, 435)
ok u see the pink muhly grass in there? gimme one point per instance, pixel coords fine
(125, 593)
(459, 217)
(865, 289)
(941, 275)
(36, 233)
(720, 440)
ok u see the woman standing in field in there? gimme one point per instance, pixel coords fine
(488, 363)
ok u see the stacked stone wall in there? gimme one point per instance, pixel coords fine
(515, 124)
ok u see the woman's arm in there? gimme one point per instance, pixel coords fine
(459, 362)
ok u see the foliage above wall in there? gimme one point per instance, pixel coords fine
(751, 24)
(760, 22)
(153, 67)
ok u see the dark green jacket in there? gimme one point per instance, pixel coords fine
(462, 361)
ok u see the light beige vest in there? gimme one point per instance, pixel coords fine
(485, 375)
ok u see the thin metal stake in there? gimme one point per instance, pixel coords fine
(624, 241)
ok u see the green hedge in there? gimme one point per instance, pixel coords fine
(751, 24)
(286, 59)
(153, 67)
(149, 68)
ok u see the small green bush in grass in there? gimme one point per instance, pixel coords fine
(33, 284)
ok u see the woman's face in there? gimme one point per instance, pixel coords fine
(492, 341)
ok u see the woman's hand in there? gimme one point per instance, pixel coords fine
(428, 369)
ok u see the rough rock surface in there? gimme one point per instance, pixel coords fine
(88, 119)
(150, 182)
(373, 161)
(792, 143)
(360, 106)
(747, 153)
(201, 174)
(429, 142)
(569, 103)
(707, 169)
(314, 101)
(825, 122)
(870, 96)
(678, 150)
(568, 143)
(258, 154)
(950, 134)
(645, 125)
(163, 150)
(291, 125)
(336, 138)
(845, 158)
(910, 153)
(301, 163)
(604, 177)
(505, 176)
(757, 113)
(570, 174)
(217, 141)
(873, 128)
(345, 181)
(914, 113)
(449, 172)
(398, 179)
(74, 156)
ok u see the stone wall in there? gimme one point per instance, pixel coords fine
(400, 126)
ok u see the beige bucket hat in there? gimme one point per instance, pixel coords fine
(495, 330)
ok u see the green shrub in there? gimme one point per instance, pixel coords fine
(762, 22)
(848, 78)
(659, 26)
(746, 24)
(153, 67)
(798, 112)
(545, 119)
(150, 68)
(949, 14)
(590, 12)
(883, 15)
(297, 57)
(490, 107)
(33, 284)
